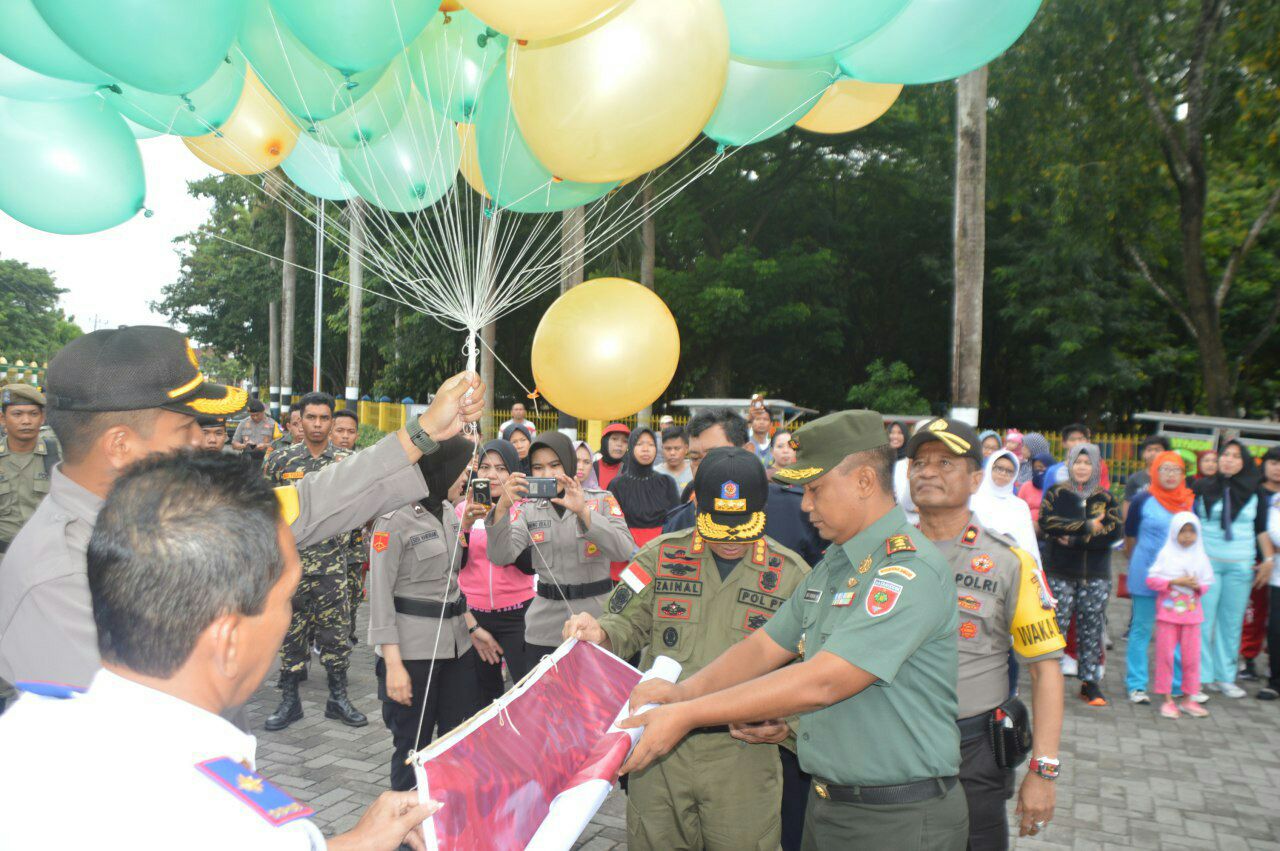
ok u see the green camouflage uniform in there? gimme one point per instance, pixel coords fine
(321, 605)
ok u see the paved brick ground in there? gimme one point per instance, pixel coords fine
(1133, 779)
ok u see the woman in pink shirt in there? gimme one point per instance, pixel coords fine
(497, 594)
(1179, 576)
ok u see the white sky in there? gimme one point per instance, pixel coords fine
(112, 276)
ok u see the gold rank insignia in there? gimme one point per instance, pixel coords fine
(853, 581)
(865, 566)
(249, 783)
(800, 646)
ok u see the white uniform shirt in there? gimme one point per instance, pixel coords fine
(118, 767)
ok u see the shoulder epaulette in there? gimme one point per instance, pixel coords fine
(254, 790)
(61, 691)
(895, 544)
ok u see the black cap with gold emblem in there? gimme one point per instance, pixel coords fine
(822, 444)
(731, 490)
(958, 437)
(134, 368)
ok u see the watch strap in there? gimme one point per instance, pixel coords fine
(419, 437)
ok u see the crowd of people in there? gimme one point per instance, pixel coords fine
(852, 575)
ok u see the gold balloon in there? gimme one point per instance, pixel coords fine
(470, 163)
(585, 349)
(624, 95)
(849, 104)
(256, 138)
(532, 20)
(450, 6)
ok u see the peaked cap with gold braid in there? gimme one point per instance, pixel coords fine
(959, 438)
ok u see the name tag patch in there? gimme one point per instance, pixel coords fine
(423, 538)
(812, 595)
(764, 601)
(680, 586)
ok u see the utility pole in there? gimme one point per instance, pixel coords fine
(969, 244)
(355, 300)
(273, 358)
(288, 304)
(319, 312)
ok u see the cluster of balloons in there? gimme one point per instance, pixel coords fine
(538, 105)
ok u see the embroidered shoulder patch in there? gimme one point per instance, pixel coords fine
(899, 544)
(381, 540)
(259, 794)
(898, 570)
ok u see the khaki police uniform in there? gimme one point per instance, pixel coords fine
(416, 604)
(712, 791)
(24, 482)
(570, 561)
(1003, 604)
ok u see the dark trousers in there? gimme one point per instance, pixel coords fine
(320, 613)
(507, 627)
(1273, 637)
(452, 700)
(795, 794)
(986, 787)
(939, 824)
(535, 652)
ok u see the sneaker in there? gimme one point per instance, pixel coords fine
(1195, 710)
(1140, 696)
(1231, 690)
(1169, 709)
(1199, 697)
(1070, 667)
(1247, 671)
(1268, 692)
(1091, 694)
(1213, 687)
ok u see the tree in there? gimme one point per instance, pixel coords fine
(32, 325)
(888, 389)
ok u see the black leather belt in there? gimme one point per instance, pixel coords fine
(431, 608)
(719, 728)
(974, 726)
(907, 793)
(574, 592)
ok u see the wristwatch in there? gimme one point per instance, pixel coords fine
(1045, 767)
(419, 437)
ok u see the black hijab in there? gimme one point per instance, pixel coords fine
(441, 469)
(1234, 491)
(522, 465)
(644, 496)
(906, 435)
(565, 452)
(504, 450)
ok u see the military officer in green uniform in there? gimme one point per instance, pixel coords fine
(689, 595)
(875, 625)
(1004, 604)
(321, 604)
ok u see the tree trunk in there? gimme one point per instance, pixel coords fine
(1201, 309)
(489, 334)
(355, 300)
(648, 246)
(273, 357)
(288, 303)
(969, 244)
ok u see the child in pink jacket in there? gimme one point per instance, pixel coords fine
(1179, 576)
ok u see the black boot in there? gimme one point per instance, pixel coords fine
(339, 705)
(290, 708)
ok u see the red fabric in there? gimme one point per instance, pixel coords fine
(641, 537)
(1255, 623)
(1174, 499)
(498, 782)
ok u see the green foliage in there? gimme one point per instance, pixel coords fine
(368, 436)
(32, 326)
(888, 389)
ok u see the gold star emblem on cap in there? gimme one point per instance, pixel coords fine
(865, 566)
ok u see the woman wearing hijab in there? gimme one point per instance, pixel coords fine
(613, 449)
(1256, 616)
(990, 441)
(998, 508)
(644, 496)
(1146, 530)
(585, 474)
(1033, 443)
(419, 625)
(518, 437)
(1206, 464)
(897, 439)
(1081, 520)
(1227, 505)
(498, 595)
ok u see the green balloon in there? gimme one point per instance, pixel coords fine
(451, 60)
(354, 35)
(159, 46)
(19, 81)
(70, 166)
(512, 175)
(936, 40)
(309, 88)
(27, 39)
(766, 29)
(373, 115)
(762, 99)
(197, 114)
(316, 169)
(411, 167)
(140, 132)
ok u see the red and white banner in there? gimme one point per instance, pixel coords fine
(539, 762)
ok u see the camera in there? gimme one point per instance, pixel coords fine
(541, 488)
(480, 493)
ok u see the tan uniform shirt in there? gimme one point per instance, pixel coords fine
(24, 482)
(564, 553)
(1004, 604)
(414, 555)
(259, 434)
(683, 609)
(46, 619)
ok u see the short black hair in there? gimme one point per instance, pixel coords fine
(256, 406)
(674, 432)
(292, 411)
(182, 539)
(1154, 440)
(316, 398)
(1076, 428)
(347, 412)
(881, 460)
(77, 430)
(735, 427)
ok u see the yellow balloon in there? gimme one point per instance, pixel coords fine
(470, 163)
(585, 349)
(849, 104)
(624, 95)
(533, 20)
(256, 138)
